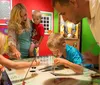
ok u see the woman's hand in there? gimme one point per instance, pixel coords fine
(16, 54)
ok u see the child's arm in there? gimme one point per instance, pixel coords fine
(41, 38)
(16, 65)
(41, 33)
(75, 67)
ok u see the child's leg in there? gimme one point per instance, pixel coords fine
(31, 49)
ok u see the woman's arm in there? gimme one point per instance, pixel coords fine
(16, 65)
(12, 42)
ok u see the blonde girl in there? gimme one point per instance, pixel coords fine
(11, 64)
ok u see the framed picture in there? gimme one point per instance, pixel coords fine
(71, 32)
(69, 29)
(5, 9)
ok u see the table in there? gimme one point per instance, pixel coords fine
(40, 78)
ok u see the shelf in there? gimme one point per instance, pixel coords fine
(2, 24)
(71, 38)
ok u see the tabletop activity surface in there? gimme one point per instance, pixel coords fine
(45, 75)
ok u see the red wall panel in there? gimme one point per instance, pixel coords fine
(43, 5)
(43, 49)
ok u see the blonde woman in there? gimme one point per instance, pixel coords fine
(9, 63)
(19, 32)
(72, 57)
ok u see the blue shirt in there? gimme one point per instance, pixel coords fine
(73, 55)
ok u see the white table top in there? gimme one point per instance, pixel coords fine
(38, 78)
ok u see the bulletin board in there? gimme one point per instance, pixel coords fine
(71, 32)
(69, 29)
(47, 21)
(5, 9)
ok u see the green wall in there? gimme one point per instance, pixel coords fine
(88, 39)
(56, 21)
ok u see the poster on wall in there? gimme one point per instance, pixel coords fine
(5, 8)
(69, 29)
(47, 21)
(4, 30)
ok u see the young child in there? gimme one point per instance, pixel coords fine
(38, 32)
(11, 64)
(72, 57)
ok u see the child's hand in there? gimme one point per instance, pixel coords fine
(36, 63)
(58, 61)
(33, 40)
(1, 68)
(37, 44)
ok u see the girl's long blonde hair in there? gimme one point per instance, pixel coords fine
(2, 42)
(15, 19)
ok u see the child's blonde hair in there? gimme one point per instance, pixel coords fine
(37, 13)
(2, 40)
(55, 40)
